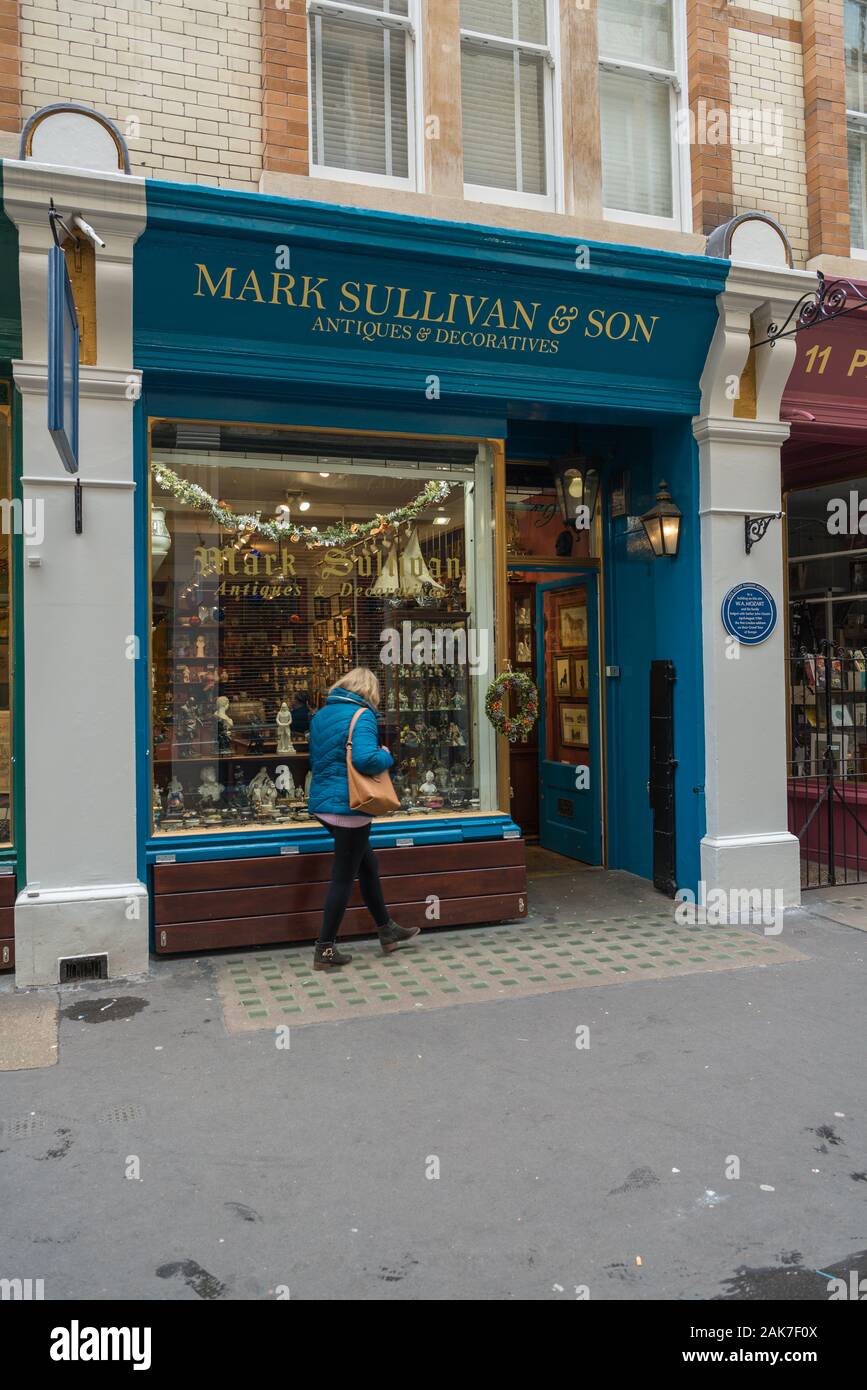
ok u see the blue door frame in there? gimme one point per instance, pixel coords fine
(570, 814)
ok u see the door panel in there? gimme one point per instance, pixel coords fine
(570, 765)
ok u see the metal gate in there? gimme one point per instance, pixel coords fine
(662, 768)
(827, 784)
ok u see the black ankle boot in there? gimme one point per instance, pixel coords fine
(327, 957)
(391, 935)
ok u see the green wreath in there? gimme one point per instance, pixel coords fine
(520, 724)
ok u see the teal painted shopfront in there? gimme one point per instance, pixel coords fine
(420, 393)
(11, 788)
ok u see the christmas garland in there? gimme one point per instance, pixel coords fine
(341, 533)
(520, 724)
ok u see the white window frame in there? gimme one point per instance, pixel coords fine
(676, 80)
(552, 201)
(856, 121)
(410, 24)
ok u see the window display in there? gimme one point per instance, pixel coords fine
(5, 620)
(278, 563)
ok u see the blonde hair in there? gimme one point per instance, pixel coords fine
(361, 681)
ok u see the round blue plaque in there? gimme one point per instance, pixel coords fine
(749, 613)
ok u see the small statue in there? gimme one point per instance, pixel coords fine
(524, 650)
(157, 804)
(456, 738)
(210, 790)
(200, 646)
(262, 793)
(428, 786)
(284, 729)
(175, 799)
(225, 724)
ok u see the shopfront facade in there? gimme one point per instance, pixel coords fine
(319, 437)
(825, 481)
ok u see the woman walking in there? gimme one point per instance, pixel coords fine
(350, 830)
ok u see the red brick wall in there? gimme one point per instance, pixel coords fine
(285, 108)
(10, 67)
(825, 121)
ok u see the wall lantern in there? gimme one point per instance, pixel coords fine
(577, 485)
(662, 523)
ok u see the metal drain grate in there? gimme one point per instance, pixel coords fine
(76, 968)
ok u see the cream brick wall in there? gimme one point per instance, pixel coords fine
(776, 9)
(770, 173)
(183, 81)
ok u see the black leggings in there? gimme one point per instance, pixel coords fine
(353, 858)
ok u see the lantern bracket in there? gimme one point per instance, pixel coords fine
(755, 528)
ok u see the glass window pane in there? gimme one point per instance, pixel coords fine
(250, 631)
(359, 93)
(499, 16)
(533, 124)
(488, 96)
(636, 145)
(856, 55)
(639, 31)
(857, 151)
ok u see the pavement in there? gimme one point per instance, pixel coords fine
(629, 1109)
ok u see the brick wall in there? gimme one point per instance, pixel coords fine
(183, 81)
(10, 114)
(284, 103)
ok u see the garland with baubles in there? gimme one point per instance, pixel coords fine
(520, 724)
(341, 533)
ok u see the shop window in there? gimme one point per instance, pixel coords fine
(827, 561)
(642, 91)
(856, 118)
(251, 629)
(507, 93)
(6, 532)
(535, 526)
(363, 79)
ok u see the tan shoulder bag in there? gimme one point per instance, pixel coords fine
(372, 796)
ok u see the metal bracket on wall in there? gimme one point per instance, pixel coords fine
(79, 521)
(755, 528)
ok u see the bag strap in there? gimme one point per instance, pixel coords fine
(353, 722)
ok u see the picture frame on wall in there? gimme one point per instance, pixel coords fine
(572, 626)
(574, 726)
(580, 676)
(563, 676)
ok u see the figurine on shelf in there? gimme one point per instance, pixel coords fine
(441, 776)
(263, 794)
(189, 724)
(389, 700)
(307, 781)
(200, 646)
(257, 740)
(418, 700)
(157, 804)
(237, 796)
(285, 781)
(284, 729)
(428, 786)
(456, 738)
(460, 701)
(403, 700)
(524, 650)
(174, 800)
(409, 736)
(225, 724)
(210, 789)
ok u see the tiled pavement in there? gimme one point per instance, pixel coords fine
(443, 968)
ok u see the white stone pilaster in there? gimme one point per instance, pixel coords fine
(82, 894)
(747, 844)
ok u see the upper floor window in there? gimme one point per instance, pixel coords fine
(363, 78)
(641, 90)
(507, 93)
(856, 118)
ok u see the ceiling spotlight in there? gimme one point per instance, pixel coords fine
(303, 504)
(440, 521)
(325, 475)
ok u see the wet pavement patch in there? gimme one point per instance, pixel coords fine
(203, 1284)
(104, 1010)
(792, 1284)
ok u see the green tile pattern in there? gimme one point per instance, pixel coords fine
(480, 964)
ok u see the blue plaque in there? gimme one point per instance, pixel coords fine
(749, 613)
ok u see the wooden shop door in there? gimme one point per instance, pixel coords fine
(570, 765)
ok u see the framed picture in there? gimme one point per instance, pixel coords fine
(581, 676)
(574, 726)
(562, 676)
(618, 494)
(572, 625)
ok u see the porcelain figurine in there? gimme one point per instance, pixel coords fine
(210, 788)
(262, 793)
(175, 798)
(284, 729)
(428, 786)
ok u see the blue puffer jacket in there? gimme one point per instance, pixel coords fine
(329, 729)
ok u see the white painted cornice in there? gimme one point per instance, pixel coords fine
(95, 383)
(115, 203)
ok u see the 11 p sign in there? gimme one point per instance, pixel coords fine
(63, 350)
